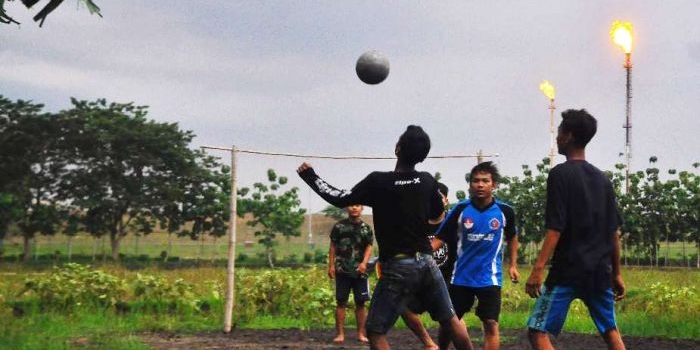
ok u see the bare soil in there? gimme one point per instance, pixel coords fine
(399, 339)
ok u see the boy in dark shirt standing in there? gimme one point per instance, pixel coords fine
(582, 222)
(402, 201)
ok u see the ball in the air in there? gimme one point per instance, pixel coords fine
(372, 67)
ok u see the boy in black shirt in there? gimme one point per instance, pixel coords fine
(402, 202)
(582, 222)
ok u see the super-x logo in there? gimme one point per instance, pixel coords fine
(324, 187)
(407, 182)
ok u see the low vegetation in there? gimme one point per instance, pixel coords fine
(111, 304)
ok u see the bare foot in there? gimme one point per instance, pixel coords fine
(339, 339)
(362, 339)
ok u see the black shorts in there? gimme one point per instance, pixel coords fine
(489, 301)
(344, 284)
(415, 305)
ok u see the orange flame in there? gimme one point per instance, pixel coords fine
(621, 34)
(548, 89)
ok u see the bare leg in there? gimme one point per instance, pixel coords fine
(416, 326)
(614, 340)
(539, 340)
(378, 342)
(339, 323)
(491, 335)
(361, 317)
(443, 338)
(458, 333)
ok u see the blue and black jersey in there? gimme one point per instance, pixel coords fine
(480, 235)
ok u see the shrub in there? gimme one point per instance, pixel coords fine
(159, 294)
(74, 285)
(294, 293)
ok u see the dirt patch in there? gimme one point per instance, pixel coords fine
(243, 339)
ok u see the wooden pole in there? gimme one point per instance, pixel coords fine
(230, 271)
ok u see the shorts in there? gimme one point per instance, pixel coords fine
(344, 284)
(549, 313)
(402, 280)
(414, 305)
(488, 307)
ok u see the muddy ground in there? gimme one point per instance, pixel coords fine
(399, 338)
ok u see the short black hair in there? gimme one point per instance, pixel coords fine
(414, 145)
(486, 167)
(580, 124)
(443, 189)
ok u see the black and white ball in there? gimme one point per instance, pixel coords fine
(372, 67)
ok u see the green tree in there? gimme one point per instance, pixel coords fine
(200, 196)
(10, 212)
(527, 195)
(45, 11)
(655, 210)
(690, 214)
(33, 164)
(127, 170)
(273, 212)
(334, 212)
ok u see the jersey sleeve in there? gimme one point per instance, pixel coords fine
(360, 194)
(511, 229)
(436, 205)
(555, 215)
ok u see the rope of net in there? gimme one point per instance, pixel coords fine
(296, 155)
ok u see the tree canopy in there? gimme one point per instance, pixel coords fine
(40, 17)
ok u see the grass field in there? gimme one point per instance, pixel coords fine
(660, 303)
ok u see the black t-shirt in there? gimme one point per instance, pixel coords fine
(581, 206)
(401, 204)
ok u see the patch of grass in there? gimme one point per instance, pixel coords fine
(85, 330)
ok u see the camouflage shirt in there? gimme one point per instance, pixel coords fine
(351, 240)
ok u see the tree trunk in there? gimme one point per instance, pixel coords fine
(270, 259)
(26, 248)
(94, 249)
(70, 247)
(104, 251)
(201, 247)
(114, 242)
(668, 250)
(170, 247)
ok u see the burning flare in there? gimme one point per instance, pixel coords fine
(548, 89)
(621, 34)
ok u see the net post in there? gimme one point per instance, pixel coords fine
(230, 271)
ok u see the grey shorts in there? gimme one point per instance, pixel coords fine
(402, 280)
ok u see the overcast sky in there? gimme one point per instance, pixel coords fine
(279, 76)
